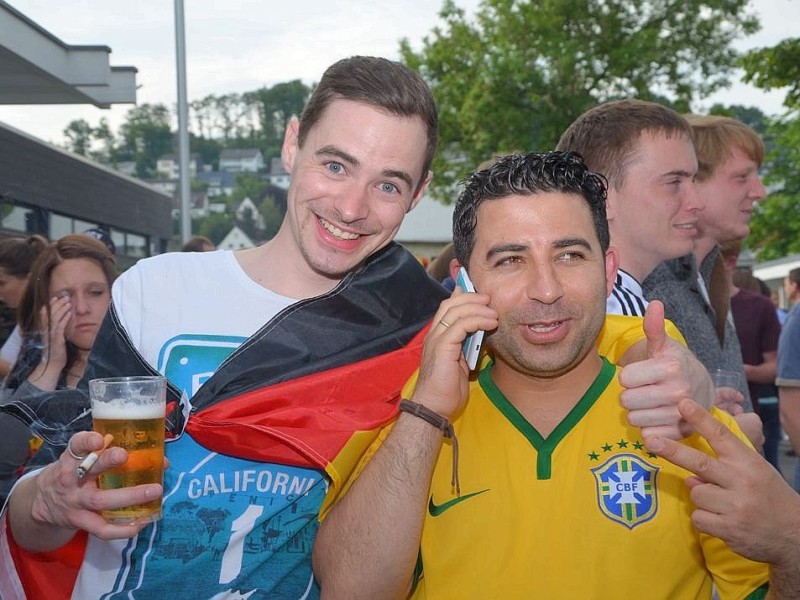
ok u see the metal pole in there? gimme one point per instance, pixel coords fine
(183, 123)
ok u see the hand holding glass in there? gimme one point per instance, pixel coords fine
(728, 383)
(132, 410)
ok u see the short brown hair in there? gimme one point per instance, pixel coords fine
(606, 136)
(18, 254)
(714, 139)
(198, 243)
(379, 82)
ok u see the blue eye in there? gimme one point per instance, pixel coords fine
(389, 188)
(335, 167)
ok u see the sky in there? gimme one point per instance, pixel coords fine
(242, 45)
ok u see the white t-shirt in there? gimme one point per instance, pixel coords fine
(177, 298)
(10, 350)
(230, 526)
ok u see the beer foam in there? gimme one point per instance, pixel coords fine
(125, 409)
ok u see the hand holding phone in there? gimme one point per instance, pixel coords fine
(472, 345)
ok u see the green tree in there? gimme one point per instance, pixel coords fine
(209, 149)
(97, 143)
(515, 76)
(275, 106)
(229, 111)
(202, 113)
(774, 68)
(216, 226)
(248, 185)
(78, 134)
(272, 216)
(106, 141)
(247, 222)
(775, 228)
(146, 135)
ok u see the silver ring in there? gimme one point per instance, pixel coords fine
(445, 323)
(72, 454)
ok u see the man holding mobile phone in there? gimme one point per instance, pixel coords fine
(474, 341)
(548, 492)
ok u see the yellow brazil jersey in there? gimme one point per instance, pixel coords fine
(618, 335)
(585, 513)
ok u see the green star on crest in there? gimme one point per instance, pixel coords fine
(594, 456)
(622, 444)
(607, 447)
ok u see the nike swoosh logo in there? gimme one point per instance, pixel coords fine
(436, 510)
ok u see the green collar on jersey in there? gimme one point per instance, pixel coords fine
(546, 447)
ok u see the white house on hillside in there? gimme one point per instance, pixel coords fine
(168, 166)
(198, 205)
(239, 160)
(249, 205)
(126, 167)
(278, 175)
(219, 182)
(236, 240)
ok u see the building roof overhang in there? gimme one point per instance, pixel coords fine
(38, 68)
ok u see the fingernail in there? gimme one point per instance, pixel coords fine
(655, 444)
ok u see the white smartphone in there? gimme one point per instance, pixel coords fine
(472, 345)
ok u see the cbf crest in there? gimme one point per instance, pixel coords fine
(626, 489)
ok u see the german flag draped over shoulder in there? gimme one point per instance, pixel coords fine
(310, 389)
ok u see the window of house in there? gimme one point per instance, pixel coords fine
(136, 245)
(59, 226)
(118, 237)
(15, 218)
(79, 225)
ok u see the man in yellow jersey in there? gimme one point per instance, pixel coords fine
(549, 492)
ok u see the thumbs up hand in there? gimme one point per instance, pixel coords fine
(667, 372)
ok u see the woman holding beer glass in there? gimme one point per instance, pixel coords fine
(68, 296)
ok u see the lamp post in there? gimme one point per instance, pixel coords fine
(183, 123)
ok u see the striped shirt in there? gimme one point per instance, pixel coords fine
(627, 297)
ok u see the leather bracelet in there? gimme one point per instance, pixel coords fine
(440, 422)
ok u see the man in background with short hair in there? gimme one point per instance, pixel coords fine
(645, 152)
(729, 155)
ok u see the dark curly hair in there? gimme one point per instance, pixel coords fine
(528, 175)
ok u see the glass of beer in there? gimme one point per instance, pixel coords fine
(132, 409)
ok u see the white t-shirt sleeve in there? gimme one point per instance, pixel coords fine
(10, 350)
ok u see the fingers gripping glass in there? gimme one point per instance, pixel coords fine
(472, 344)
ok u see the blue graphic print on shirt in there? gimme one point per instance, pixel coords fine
(231, 528)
